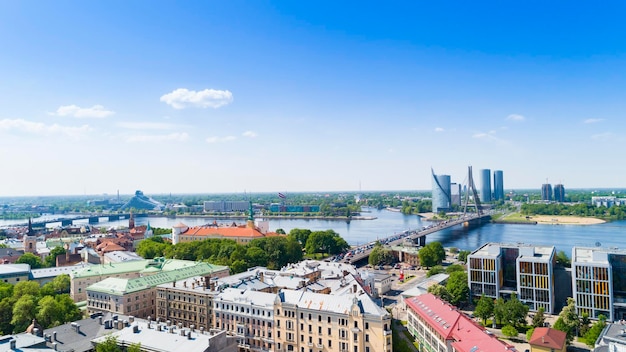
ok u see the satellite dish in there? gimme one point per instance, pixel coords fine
(598, 244)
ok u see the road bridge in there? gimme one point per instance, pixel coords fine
(418, 236)
(91, 219)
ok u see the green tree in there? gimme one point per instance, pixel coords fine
(6, 290)
(325, 242)
(70, 310)
(281, 232)
(301, 235)
(484, 308)
(109, 345)
(30, 259)
(49, 312)
(594, 332)
(25, 288)
(6, 315)
(515, 312)
(50, 260)
(427, 257)
(568, 320)
(529, 333)
(60, 284)
(462, 256)
(381, 256)
(539, 319)
(563, 259)
(509, 331)
(440, 291)
(437, 269)
(457, 287)
(256, 256)
(134, 347)
(454, 267)
(23, 312)
(499, 310)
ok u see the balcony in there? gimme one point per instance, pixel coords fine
(310, 344)
(386, 332)
(320, 346)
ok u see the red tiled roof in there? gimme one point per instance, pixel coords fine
(449, 322)
(548, 337)
(439, 314)
(203, 231)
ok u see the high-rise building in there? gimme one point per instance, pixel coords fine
(455, 193)
(546, 192)
(599, 282)
(485, 185)
(498, 270)
(441, 193)
(559, 193)
(498, 185)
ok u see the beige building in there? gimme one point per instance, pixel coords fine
(306, 321)
(14, 273)
(247, 315)
(137, 296)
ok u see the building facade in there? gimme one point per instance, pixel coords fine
(546, 192)
(498, 270)
(137, 296)
(485, 185)
(498, 185)
(599, 282)
(306, 321)
(223, 206)
(442, 200)
(559, 193)
(248, 315)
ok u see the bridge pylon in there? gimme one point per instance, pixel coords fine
(471, 186)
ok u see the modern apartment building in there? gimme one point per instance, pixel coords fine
(546, 192)
(498, 185)
(485, 185)
(599, 282)
(306, 321)
(223, 206)
(559, 193)
(441, 199)
(440, 327)
(498, 270)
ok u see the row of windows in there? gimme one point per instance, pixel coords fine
(586, 286)
(485, 264)
(246, 310)
(595, 273)
(593, 301)
(539, 268)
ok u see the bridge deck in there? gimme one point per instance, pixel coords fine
(413, 235)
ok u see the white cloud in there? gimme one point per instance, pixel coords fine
(39, 128)
(96, 111)
(220, 139)
(146, 125)
(209, 98)
(177, 137)
(439, 129)
(250, 134)
(606, 136)
(593, 120)
(516, 117)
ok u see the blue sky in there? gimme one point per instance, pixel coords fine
(290, 96)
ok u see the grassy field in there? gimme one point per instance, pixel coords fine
(516, 218)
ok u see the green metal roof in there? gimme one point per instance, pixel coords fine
(141, 266)
(119, 286)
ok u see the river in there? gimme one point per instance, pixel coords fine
(387, 223)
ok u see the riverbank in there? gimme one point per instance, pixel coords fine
(518, 218)
(277, 217)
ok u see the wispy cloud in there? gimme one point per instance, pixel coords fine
(489, 137)
(146, 125)
(220, 139)
(96, 111)
(177, 137)
(249, 134)
(42, 129)
(209, 98)
(516, 117)
(606, 136)
(593, 120)
(439, 129)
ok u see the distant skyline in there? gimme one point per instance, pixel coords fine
(234, 96)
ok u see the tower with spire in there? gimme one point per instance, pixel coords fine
(250, 223)
(30, 239)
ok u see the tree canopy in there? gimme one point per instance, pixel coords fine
(432, 254)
